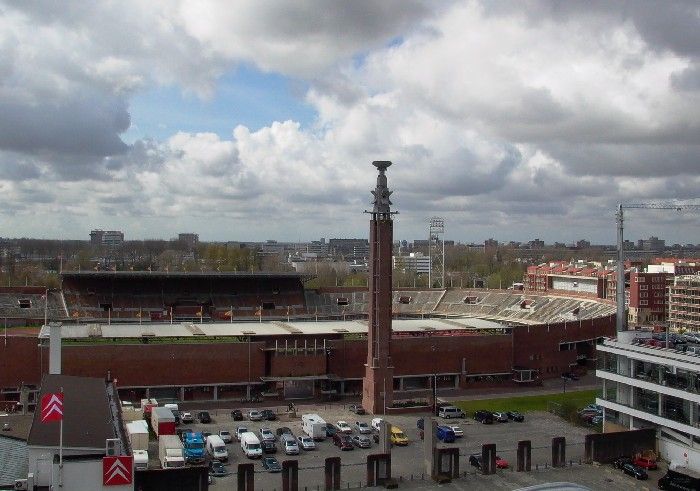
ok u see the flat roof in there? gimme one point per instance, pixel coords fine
(266, 328)
(87, 418)
(182, 274)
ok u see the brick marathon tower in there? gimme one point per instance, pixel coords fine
(378, 384)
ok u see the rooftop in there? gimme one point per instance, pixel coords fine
(87, 414)
(255, 329)
(181, 274)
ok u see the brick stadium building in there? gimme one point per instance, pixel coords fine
(225, 336)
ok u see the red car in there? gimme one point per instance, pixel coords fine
(645, 463)
(343, 441)
(500, 463)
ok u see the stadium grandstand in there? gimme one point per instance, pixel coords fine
(30, 305)
(204, 336)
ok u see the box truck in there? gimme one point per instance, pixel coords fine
(170, 452)
(162, 421)
(314, 426)
(140, 460)
(138, 434)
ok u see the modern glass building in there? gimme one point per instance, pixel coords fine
(651, 387)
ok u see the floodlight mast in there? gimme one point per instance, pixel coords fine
(621, 320)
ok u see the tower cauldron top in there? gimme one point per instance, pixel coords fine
(382, 203)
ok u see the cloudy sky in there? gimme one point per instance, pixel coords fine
(251, 120)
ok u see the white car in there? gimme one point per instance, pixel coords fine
(239, 431)
(362, 427)
(255, 415)
(267, 434)
(457, 431)
(306, 442)
(187, 418)
(225, 435)
(343, 427)
(375, 423)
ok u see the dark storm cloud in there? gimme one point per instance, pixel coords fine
(87, 125)
(640, 160)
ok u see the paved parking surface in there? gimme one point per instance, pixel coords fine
(407, 462)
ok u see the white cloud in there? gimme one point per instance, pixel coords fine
(501, 118)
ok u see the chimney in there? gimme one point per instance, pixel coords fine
(55, 348)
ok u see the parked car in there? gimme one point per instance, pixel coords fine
(593, 407)
(342, 441)
(306, 442)
(457, 431)
(375, 423)
(268, 415)
(268, 446)
(216, 468)
(187, 418)
(357, 409)
(237, 415)
(362, 427)
(397, 436)
(239, 431)
(500, 417)
(361, 441)
(204, 417)
(448, 412)
(343, 427)
(176, 415)
(635, 471)
(205, 434)
(331, 430)
(647, 463)
(255, 415)
(282, 430)
(620, 461)
(485, 417)
(515, 416)
(569, 376)
(271, 464)
(445, 434)
(225, 435)
(289, 444)
(267, 434)
(475, 460)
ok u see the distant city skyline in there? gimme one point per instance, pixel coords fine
(260, 120)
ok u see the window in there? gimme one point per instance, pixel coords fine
(342, 301)
(24, 303)
(643, 294)
(268, 306)
(643, 302)
(643, 287)
(405, 299)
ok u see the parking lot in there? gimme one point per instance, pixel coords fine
(407, 462)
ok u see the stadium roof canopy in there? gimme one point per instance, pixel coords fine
(183, 274)
(255, 329)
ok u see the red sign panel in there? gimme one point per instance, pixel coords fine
(52, 407)
(117, 470)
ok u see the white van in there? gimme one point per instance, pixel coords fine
(217, 448)
(289, 444)
(448, 412)
(250, 444)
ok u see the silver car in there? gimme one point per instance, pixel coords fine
(362, 427)
(255, 415)
(361, 441)
(306, 442)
